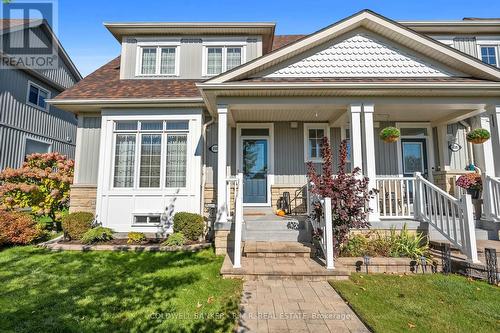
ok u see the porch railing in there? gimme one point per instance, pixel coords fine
(395, 196)
(452, 217)
(235, 206)
(324, 231)
(491, 197)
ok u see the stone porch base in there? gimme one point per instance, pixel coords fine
(83, 198)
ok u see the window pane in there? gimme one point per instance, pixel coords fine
(233, 57)
(488, 55)
(141, 219)
(126, 126)
(167, 61)
(148, 61)
(151, 125)
(214, 60)
(33, 95)
(177, 125)
(154, 219)
(176, 160)
(150, 160)
(42, 96)
(255, 131)
(315, 138)
(124, 160)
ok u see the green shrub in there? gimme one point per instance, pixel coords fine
(390, 134)
(98, 234)
(136, 238)
(396, 244)
(191, 225)
(175, 239)
(19, 229)
(76, 224)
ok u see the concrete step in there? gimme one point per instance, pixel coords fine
(259, 249)
(303, 235)
(281, 268)
(435, 235)
(283, 225)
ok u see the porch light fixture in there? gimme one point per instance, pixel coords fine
(294, 124)
(366, 260)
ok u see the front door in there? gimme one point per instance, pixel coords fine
(414, 153)
(255, 165)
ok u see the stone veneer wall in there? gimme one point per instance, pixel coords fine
(297, 197)
(446, 179)
(83, 198)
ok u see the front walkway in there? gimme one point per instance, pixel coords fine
(295, 306)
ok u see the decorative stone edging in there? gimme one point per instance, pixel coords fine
(382, 265)
(56, 246)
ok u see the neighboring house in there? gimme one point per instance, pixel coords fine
(184, 98)
(27, 123)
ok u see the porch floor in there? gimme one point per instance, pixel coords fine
(267, 214)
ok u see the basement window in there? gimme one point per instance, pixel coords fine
(147, 219)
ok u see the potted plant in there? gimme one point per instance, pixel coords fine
(390, 134)
(472, 183)
(478, 136)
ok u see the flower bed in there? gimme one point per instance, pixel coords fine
(384, 265)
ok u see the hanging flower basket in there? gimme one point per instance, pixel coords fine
(478, 136)
(390, 134)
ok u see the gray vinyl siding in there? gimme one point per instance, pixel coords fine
(386, 154)
(466, 44)
(289, 165)
(62, 75)
(457, 134)
(20, 120)
(89, 143)
(191, 56)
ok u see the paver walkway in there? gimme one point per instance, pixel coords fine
(276, 306)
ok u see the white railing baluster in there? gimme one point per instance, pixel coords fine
(491, 197)
(238, 219)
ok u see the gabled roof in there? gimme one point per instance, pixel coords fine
(11, 25)
(377, 24)
(280, 41)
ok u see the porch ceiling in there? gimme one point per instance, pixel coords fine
(335, 114)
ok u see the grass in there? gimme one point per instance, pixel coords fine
(44, 291)
(422, 303)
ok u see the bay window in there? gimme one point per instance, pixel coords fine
(219, 59)
(153, 148)
(158, 60)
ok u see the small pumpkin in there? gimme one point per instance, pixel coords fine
(478, 136)
(390, 134)
(280, 212)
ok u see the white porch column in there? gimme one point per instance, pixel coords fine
(355, 131)
(369, 160)
(444, 157)
(221, 163)
(494, 115)
(484, 153)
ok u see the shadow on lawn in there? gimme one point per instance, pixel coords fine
(108, 292)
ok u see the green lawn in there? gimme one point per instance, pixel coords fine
(42, 291)
(422, 303)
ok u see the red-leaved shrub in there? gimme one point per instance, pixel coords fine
(18, 229)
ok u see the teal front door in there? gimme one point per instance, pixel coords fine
(255, 165)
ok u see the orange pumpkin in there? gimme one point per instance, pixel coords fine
(280, 212)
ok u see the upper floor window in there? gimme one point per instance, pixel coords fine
(219, 59)
(158, 60)
(37, 96)
(488, 55)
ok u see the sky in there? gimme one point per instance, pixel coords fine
(90, 45)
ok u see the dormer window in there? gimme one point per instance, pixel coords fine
(218, 59)
(158, 60)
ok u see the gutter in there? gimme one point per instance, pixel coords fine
(122, 100)
(204, 161)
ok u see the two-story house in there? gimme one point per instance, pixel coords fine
(28, 124)
(188, 109)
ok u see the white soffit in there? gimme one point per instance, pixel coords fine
(361, 55)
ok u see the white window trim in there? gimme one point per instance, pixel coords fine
(148, 214)
(31, 83)
(307, 127)
(429, 142)
(37, 140)
(224, 46)
(163, 163)
(494, 44)
(158, 46)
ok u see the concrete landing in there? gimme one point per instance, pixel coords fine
(259, 249)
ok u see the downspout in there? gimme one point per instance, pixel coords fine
(204, 166)
(470, 150)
